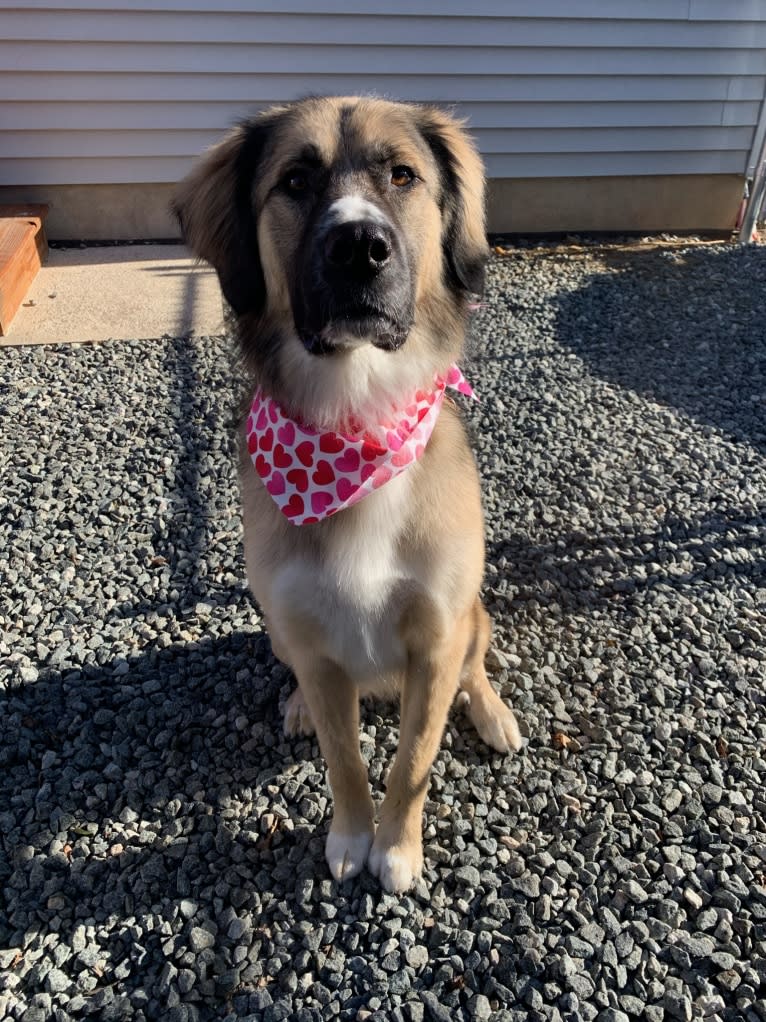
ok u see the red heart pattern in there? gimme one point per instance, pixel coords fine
(294, 506)
(336, 470)
(286, 434)
(324, 474)
(305, 453)
(331, 443)
(281, 458)
(276, 484)
(345, 489)
(348, 462)
(320, 501)
(299, 477)
(371, 451)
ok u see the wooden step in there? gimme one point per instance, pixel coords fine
(23, 250)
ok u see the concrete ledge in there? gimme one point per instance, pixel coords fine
(685, 202)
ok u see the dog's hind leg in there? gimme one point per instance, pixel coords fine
(494, 721)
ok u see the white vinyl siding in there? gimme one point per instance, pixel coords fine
(112, 92)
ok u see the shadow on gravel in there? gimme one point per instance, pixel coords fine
(119, 754)
(723, 546)
(198, 437)
(685, 328)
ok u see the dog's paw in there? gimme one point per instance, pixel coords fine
(297, 717)
(495, 723)
(397, 867)
(346, 854)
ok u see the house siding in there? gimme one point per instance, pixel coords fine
(112, 93)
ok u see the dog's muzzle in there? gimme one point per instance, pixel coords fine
(356, 287)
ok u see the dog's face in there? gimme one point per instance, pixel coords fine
(338, 224)
(345, 208)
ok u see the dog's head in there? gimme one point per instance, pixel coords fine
(348, 222)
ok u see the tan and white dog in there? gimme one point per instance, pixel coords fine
(347, 235)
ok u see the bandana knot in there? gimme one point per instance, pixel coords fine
(312, 474)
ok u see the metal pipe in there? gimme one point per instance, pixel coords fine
(756, 175)
(757, 191)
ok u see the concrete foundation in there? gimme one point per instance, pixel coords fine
(688, 203)
(704, 203)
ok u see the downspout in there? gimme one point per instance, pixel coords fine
(756, 179)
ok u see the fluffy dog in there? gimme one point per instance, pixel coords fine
(348, 235)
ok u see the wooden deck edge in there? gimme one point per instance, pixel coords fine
(23, 250)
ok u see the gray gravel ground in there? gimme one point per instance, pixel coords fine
(162, 844)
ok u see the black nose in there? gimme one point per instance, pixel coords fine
(360, 246)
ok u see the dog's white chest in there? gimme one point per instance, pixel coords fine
(350, 591)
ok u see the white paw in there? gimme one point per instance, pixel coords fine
(297, 717)
(346, 854)
(396, 867)
(495, 723)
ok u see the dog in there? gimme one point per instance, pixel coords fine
(348, 236)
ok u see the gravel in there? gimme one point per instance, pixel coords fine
(162, 843)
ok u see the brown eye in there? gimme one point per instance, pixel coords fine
(296, 182)
(401, 176)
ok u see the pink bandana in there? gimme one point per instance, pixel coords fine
(313, 475)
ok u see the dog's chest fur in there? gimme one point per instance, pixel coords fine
(350, 589)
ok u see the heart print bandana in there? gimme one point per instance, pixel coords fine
(313, 474)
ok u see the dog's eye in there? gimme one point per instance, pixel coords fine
(296, 182)
(401, 176)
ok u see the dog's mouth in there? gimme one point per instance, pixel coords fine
(352, 327)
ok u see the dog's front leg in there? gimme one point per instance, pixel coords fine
(333, 702)
(428, 689)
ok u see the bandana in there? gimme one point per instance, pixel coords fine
(312, 474)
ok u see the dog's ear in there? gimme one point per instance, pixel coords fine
(462, 197)
(214, 207)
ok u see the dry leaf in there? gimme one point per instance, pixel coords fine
(560, 740)
(265, 842)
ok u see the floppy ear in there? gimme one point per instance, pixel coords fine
(214, 208)
(462, 198)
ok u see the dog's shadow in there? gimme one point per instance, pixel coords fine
(138, 765)
(166, 708)
(131, 763)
